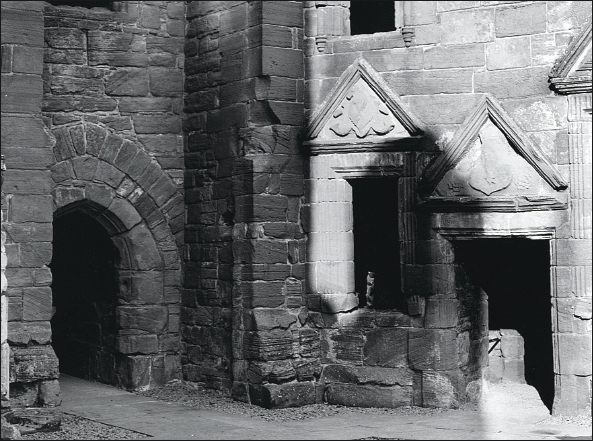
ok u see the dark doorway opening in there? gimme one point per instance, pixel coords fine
(85, 297)
(376, 240)
(515, 275)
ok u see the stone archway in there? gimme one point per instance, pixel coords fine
(116, 184)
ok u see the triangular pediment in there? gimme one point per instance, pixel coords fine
(361, 109)
(490, 155)
(572, 72)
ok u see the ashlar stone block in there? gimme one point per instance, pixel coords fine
(369, 395)
(432, 349)
(283, 395)
(521, 20)
(438, 390)
(473, 26)
(508, 53)
(386, 347)
(35, 363)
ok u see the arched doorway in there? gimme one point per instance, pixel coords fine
(85, 292)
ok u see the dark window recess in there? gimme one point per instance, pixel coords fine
(84, 4)
(368, 17)
(376, 241)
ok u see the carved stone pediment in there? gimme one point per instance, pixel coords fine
(572, 72)
(361, 114)
(491, 165)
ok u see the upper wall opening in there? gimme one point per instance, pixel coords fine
(84, 4)
(370, 17)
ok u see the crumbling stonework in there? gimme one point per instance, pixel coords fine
(223, 147)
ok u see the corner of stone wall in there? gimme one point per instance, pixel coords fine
(245, 259)
(27, 213)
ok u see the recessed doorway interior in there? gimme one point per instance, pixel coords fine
(84, 297)
(515, 276)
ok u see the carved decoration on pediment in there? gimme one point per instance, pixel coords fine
(489, 158)
(491, 166)
(572, 72)
(361, 113)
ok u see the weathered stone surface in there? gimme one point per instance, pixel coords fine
(21, 93)
(49, 393)
(133, 371)
(395, 59)
(369, 396)
(144, 251)
(564, 15)
(467, 26)
(37, 303)
(35, 363)
(166, 82)
(508, 53)
(432, 349)
(582, 308)
(512, 345)
(282, 371)
(24, 394)
(127, 82)
(444, 57)
(574, 354)
(144, 318)
(348, 345)
(441, 313)
(268, 345)
(514, 370)
(147, 124)
(569, 398)
(22, 27)
(521, 20)
(513, 83)
(36, 419)
(386, 347)
(137, 344)
(307, 369)
(401, 376)
(22, 333)
(283, 395)
(496, 369)
(108, 41)
(27, 60)
(438, 390)
(262, 294)
(9, 431)
(266, 319)
(538, 114)
(428, 82)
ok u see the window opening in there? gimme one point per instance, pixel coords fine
(369, 17)
(376, 242)
(85, 4)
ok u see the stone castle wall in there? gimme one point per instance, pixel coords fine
(111, 102)
(27, 208)
(244, 180)
(182, 129)
(460, 51)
